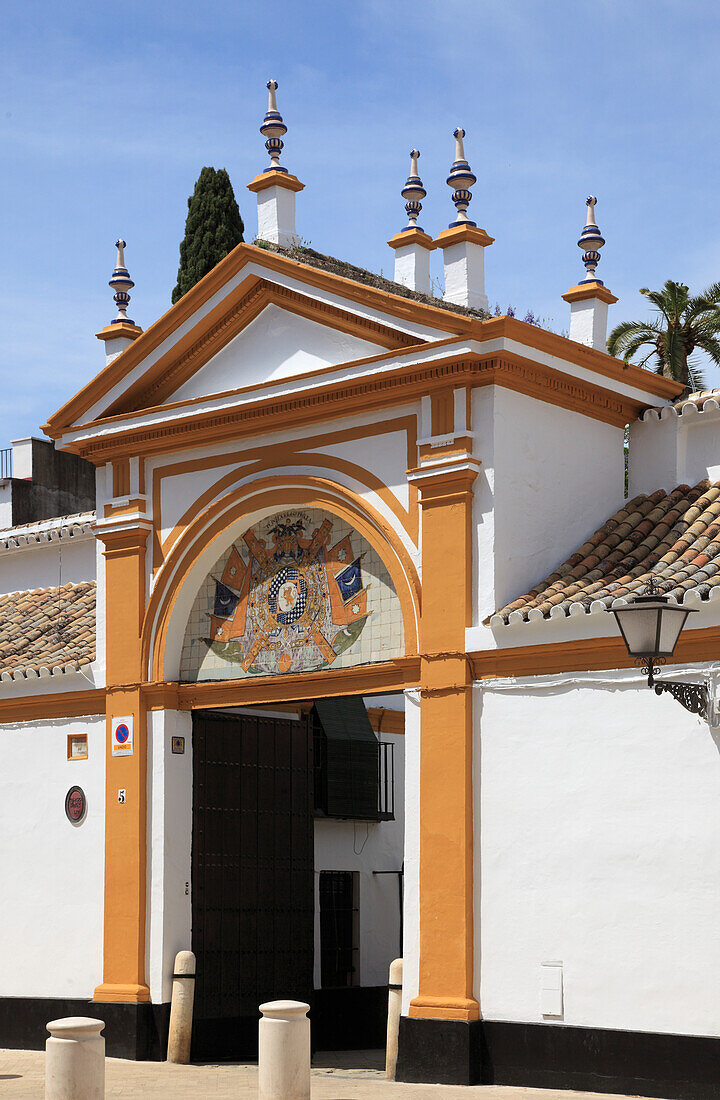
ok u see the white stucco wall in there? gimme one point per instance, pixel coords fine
(366, 847)
(599, 847)
(47, 565)
(531, 507)
(276, 344)
(169, 884)
(559, 475)
(51, 904)
(674, 450)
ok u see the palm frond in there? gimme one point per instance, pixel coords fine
(710, 344)
(696, 376)
(629, 331)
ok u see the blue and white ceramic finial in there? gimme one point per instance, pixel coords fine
(591, 241)
(461, 180)
(414, 192)
(273, 128)
(121, 284)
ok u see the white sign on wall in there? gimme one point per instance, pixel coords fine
(122, 736)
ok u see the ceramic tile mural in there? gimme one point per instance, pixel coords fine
(300, 591)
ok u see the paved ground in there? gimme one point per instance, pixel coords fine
(336, 1076)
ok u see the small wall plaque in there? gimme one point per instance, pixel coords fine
(75, 805)
(77, 746)
(178, 745)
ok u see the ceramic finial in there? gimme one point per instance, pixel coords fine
(461, 180)
(413, 192)
(122, 284)
(273, 128)
(591, 242)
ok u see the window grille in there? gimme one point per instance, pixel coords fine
(338, 928)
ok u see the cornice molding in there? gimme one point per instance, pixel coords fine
(192, 353)
(364, 394)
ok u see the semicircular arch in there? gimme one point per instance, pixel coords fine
(196, 550)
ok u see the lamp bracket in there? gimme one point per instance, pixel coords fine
(694, 697)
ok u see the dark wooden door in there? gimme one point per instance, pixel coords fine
(252, 875)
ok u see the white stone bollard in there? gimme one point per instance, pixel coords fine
(75, 1059)
(284, 1051)
(393, 1020)
(181, 1008)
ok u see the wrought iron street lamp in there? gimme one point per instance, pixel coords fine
(650, 626)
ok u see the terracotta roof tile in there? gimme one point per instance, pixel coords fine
(675, 537)
(47, 628)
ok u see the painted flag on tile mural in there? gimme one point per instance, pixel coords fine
(350, 581)
(234, 571)
(340, 554)
(225, 601)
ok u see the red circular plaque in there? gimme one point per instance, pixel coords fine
(75, 804)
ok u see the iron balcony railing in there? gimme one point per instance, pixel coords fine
(5, 462)
(354, 779)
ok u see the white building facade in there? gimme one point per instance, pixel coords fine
(320, 498)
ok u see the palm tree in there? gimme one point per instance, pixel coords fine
(685, 323)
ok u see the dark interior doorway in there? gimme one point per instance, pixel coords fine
(252, 874)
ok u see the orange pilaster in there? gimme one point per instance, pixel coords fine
(446, 822)
(126, 814)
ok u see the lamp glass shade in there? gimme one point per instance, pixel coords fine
(651, 625)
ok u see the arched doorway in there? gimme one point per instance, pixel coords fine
(299, 591)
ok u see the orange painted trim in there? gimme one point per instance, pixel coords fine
(446, 934)
(111, 332)
(64, 704)
(125, 993)
(413, 236)
(133, 506)
(273, 178)
(291, 458)
(590, 290)
(459, 233)
(367, 395)
(458, 445)
(578, 354)
(385, 676)
(271, 454)
(387, 303)
(440, 1008)
(584, 654)
(226, 322)
(264, 387)
(243, 254)
(309, 492)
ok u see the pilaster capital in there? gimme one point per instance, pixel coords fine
(123, 535)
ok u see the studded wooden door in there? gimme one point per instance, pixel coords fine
(252, 874)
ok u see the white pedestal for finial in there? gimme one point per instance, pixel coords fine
(75, 1059)
(284, 1051)
(589, 314)
(412, 259)
(276, 206)
(117, 338)
(464, 264)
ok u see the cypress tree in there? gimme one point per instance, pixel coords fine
(212, 229)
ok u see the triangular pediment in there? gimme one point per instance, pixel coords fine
(254, 318)
(278, 343)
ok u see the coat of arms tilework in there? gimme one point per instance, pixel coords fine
(298, 592)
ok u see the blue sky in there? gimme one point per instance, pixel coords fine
(110, 111)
